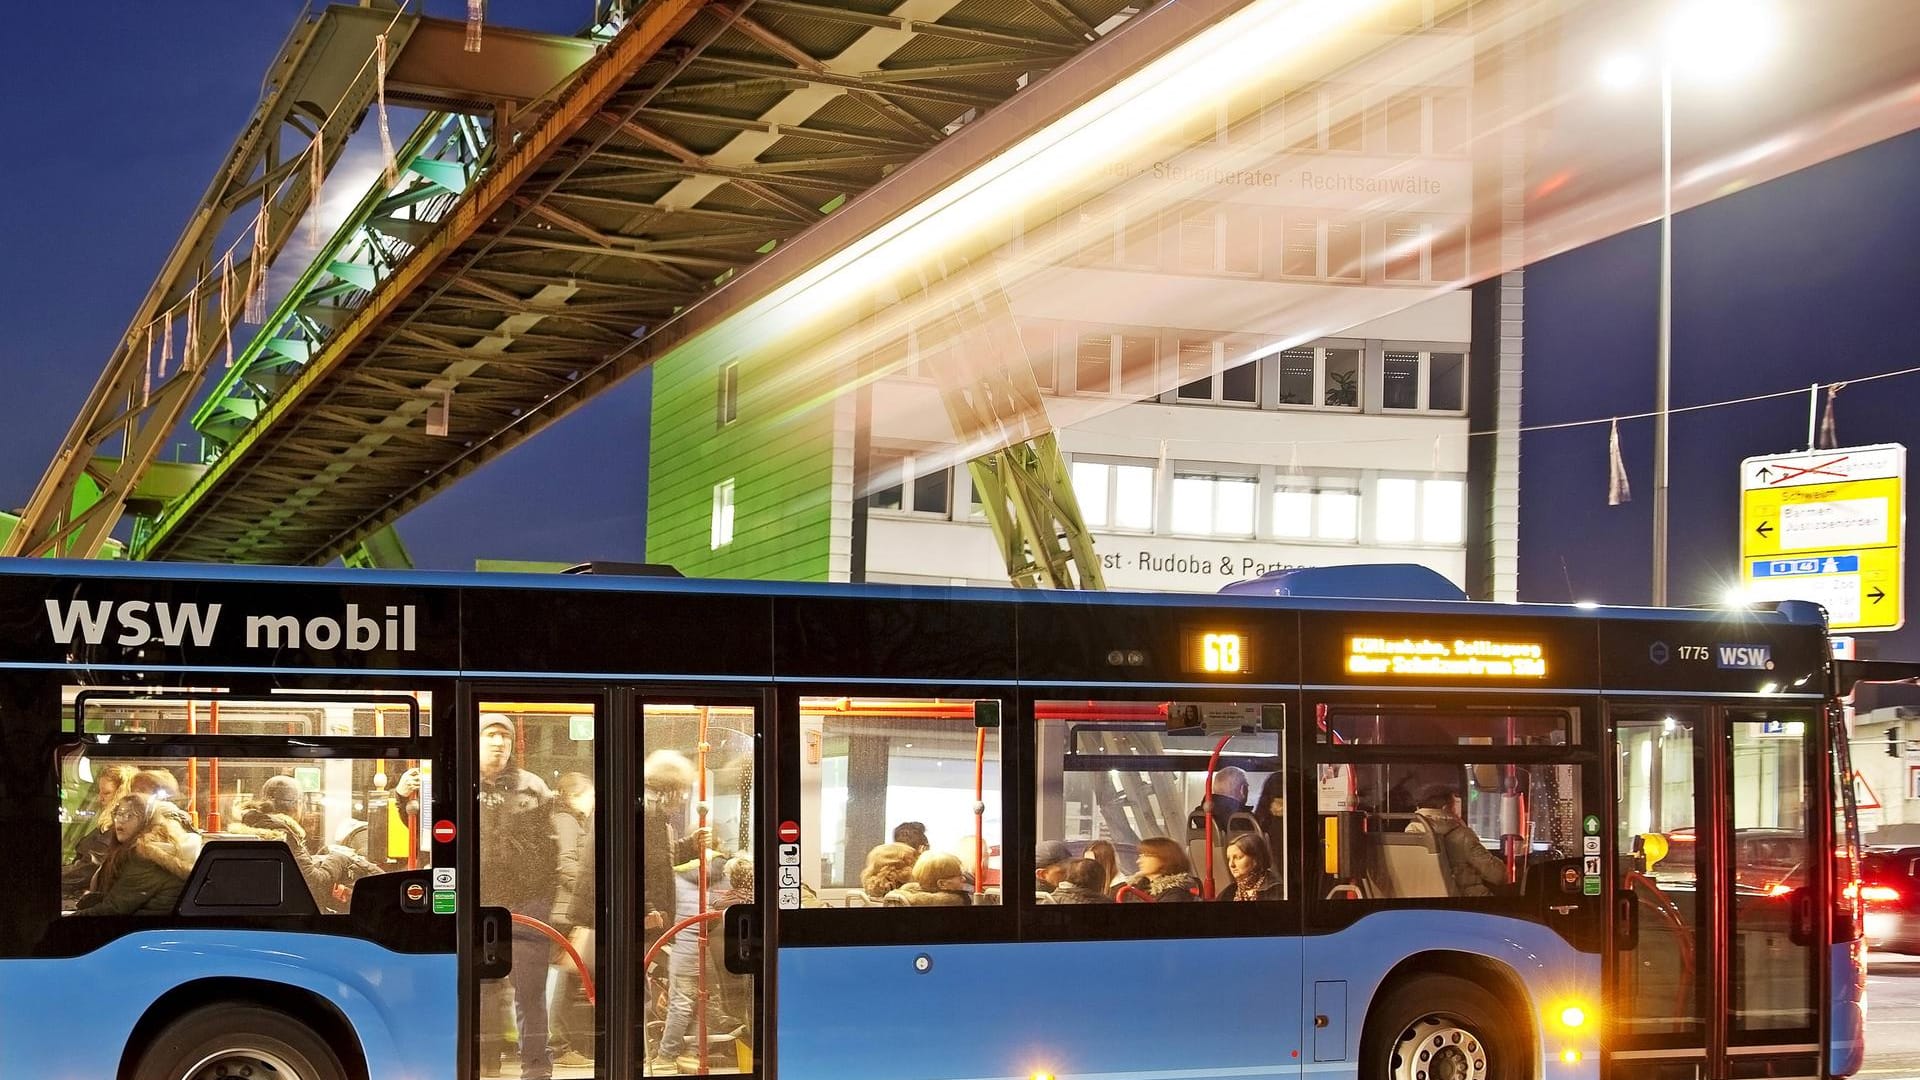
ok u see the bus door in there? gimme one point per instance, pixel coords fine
(619, 828)
(1719, 877)
(691, 967)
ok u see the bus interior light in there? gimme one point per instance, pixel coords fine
(1573, 1015)
(1571, 1057)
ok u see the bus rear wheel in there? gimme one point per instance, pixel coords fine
(231, 1041)
(1439, 1027)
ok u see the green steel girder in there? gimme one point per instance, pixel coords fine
(608, 211)
(433, 166)
(994, 403)
(381, 550)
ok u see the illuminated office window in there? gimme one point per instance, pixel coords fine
(721, 531)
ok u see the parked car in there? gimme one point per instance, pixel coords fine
(1890, 889)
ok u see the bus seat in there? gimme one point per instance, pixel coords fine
(246, 877)
(1411, 865)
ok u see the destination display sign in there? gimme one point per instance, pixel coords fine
(1446, 658)
(1828, 526)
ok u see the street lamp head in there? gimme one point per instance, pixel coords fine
(1715, 40)
(1622, 71)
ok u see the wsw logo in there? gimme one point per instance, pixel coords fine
(137, 622)
(1745, 657)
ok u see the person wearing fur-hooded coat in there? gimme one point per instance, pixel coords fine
(145, 868)
(329, 871)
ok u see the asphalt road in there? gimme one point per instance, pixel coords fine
(1893, 1017)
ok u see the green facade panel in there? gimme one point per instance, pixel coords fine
(779, 455)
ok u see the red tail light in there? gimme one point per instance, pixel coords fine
(1880, 894)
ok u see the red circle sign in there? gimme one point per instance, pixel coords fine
(443, 832)
(789, 832)
(416, 893)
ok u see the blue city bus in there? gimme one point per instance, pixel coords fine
(329, 824)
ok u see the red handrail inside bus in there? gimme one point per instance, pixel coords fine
(579, 965)
(979, 810)
(1212, 764)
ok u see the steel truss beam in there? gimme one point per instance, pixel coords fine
(468, 314)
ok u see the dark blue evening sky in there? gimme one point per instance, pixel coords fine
(120, 124)
(1809, 278)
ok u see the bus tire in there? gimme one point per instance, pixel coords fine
(1441, 1027)
(237, 1039)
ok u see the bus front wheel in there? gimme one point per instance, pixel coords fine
(1440, 1027)
(217, 1042)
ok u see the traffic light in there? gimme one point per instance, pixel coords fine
(1893, 742)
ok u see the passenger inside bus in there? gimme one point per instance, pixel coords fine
(937, 881)
(1475, 870)
(1121, 782)
(1086, 883)
(145, 865)
(1164, 876)
(1252, 870)
(889, 866)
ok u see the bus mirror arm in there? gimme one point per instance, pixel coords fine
(1626, 920)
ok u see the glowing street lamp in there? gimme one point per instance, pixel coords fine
(1707, 40)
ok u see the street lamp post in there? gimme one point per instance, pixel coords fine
(1663, 351)
(1713, 38)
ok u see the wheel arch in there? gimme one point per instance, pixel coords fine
(299, 1003)
(1500, 979)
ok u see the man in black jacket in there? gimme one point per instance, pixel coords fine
(520, 871)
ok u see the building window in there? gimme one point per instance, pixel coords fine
(1209, 503)
(1424, 251)
(1121, 236)
(721, 532)
(1410, 511)
(1324, 118)
(1320, 377)
(1207, 374)
(1222, 240)
(1041, 342)
(1321, 249)
(1317, 508)
(1114, 495)
(729, 393)
(904, 484)
(1115, 364)
(1419, 380)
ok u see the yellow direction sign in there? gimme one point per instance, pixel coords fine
(1828, 526)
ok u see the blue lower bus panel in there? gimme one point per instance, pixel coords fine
(72, 1016)
(1214, 1008)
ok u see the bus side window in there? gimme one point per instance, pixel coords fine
(900, 802)
(1168, 801)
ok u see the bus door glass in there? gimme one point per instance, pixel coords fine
(1771, 983)
(1715, 939)
(537, 858)
(1660, 955)
(696, 971)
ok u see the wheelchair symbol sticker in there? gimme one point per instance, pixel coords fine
(789, 877)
